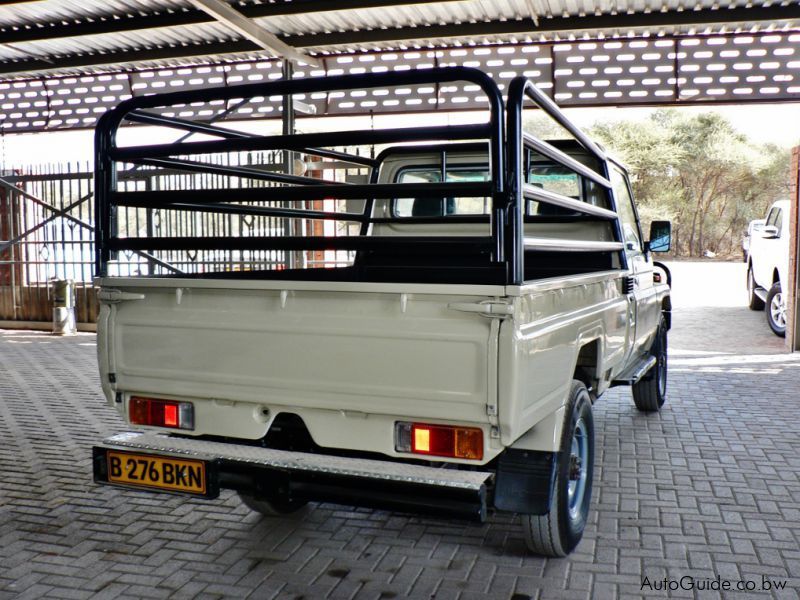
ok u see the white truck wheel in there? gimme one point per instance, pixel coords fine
(776, 310)
(559, 531)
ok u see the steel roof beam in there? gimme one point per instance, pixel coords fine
(124, 57)
(543, 25)
(249, 29)
(539, 24)
(173, 18)
(770, 14)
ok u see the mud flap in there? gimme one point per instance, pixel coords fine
(525, 480)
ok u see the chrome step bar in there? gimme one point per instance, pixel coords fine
(634, 374)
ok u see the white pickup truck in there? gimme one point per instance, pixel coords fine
(768, 267)
(445, 358)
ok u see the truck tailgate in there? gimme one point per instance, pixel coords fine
(380, 352)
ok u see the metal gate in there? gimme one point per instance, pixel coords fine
(47, 232)
(45, 235)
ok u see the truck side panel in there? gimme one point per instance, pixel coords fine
(539, 349)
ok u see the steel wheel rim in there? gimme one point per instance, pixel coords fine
(777, 310)
(662, 374)
(576, 489)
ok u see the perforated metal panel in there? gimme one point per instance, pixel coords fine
(740, 68)
(615, 71)
(720, 68)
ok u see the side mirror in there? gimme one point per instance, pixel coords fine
(660, 236)
(769, 232)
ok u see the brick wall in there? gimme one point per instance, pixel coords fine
(792, 333)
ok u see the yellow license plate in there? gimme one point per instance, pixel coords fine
(157, 472)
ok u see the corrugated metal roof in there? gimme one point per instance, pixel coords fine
(79, 36)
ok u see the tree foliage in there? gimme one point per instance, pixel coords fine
(700, 173)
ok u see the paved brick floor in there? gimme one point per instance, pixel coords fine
(709, 487)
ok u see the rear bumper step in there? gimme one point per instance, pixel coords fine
(316, 477)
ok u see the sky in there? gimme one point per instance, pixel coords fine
(763, 123)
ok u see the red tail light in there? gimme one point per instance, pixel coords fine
(439, 440)
(161, 413)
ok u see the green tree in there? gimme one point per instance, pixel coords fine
(700, 173)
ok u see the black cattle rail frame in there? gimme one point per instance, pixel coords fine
(504, 250)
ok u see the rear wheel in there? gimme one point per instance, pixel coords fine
(272, 507)
(753, 301)
(558, 532)
(650, 392)
(776, 310)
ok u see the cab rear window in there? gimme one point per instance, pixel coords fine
(441, 207)
(544, 174)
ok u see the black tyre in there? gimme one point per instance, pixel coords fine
(558, 532)
(273, 507)
(776, 310)
(650, 392)
(753, 301)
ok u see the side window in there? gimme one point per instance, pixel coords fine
(775, 219)
(555, 178)
(552, 178)
(596, 195)
(627, 214)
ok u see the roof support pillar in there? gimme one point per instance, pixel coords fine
(294, 259)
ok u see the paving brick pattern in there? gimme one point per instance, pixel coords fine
(709, 487)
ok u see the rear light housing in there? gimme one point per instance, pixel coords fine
(451, 441)
(155, 412)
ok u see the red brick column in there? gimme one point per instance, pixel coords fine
(792, 334)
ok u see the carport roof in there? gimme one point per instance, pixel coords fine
(61, 37)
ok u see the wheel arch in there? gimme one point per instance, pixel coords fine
(587, 364)
(666, 311)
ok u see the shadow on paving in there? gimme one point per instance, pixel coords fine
(716, 329)
(708, 487)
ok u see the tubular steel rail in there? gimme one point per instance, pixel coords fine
(519, 144)
(503, 250)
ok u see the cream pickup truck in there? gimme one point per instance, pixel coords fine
(427, 333)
